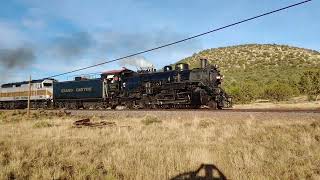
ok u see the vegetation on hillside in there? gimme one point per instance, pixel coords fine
(310, 84)
(266, 71)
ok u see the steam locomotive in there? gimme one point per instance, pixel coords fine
(176, 88)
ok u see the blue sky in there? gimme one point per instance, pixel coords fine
(46, 37)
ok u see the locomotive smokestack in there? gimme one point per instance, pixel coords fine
(204, 63)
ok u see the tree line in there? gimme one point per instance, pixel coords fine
(252, 89)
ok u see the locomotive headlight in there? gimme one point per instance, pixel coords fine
(219, 77)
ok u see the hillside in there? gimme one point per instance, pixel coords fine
(255, 67)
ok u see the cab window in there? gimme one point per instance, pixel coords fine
(47, 84)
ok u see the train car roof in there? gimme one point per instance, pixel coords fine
(8, 85)
(118, 71)
(123, 71)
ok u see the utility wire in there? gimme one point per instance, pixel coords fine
(186, 39)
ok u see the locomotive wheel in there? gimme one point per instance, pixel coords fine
(129, 105)
(212, 105)
(154, 106)
(195, 106)
(142, 105)
(61, 105)
(86, 106)
(203, 97)
(11, 105)
(165, 106)
(73, 105)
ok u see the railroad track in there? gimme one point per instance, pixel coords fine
(279, 110)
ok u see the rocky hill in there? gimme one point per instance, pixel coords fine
(260, 66)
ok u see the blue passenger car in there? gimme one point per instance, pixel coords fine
(78, 90)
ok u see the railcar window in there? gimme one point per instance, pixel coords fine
(6, 86)
(47, 84)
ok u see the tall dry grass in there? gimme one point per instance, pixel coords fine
(160, 145)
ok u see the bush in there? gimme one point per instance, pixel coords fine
(310, 84)
(278, 91)
(42, 124)
(148, 120)
(244, 93)
(205, 123)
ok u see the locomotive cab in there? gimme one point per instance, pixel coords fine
(47, 83)
(114, 81)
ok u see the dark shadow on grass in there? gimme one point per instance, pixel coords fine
(204, 172)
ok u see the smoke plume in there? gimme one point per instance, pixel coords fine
(71, 45)
(16, 58)
(138, 62)
(121, 42)
(117, 43)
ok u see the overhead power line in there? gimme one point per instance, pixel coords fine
(183, 40)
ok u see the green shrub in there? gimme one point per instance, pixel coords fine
(205, 123)
(245, 93)
(310, 84)
(148, 120)
(278, 91)
(42, 124)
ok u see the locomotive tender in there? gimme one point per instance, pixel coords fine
(170, 88)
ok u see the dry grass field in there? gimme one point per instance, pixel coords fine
(160, 145)
(295, 103)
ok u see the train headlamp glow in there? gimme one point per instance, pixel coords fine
(219, 77)
(110, 76)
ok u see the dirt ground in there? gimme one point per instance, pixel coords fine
(293, 104)
(160, 145)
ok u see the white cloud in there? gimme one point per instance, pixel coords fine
(57, 67)
(33, 23)
(11, 36)
(13, 76)
(89, 15)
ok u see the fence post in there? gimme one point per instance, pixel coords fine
(29, 96)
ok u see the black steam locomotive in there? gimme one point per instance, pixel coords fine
(147, 89)
(170, 88)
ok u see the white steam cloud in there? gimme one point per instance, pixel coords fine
(138, 62)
